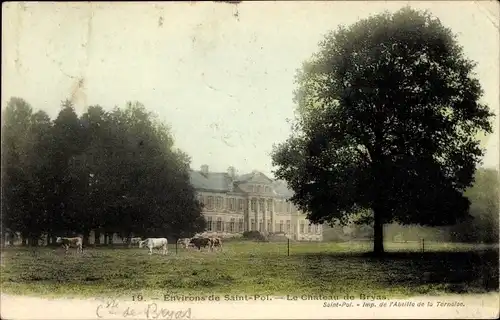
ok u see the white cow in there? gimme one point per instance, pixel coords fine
(134, 241)
(184, 242)
(155, 243)
(71, 242)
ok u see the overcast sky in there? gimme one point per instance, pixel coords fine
(221, 75)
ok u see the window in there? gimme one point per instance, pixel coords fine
(253, 204)
(261, 225)
(261, 205)
(230, 204)
(268, 225)
(313, 228)
(270, 205)
(258, 189)
(288, 223)
(276, 226)
(219, 202)
(318, 229)
(302, 227)
(253, 224)
(240, 205)
(210, 203)
(209, 224)
(240, 225)
(219, 225)
(231, 225)
(281, 225)
(309, 228)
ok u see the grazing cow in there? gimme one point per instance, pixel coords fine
(216, 242)
(132, 241)
(155, 243)
(71, 242)
(201, 242)
(184, 242)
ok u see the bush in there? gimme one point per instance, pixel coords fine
(254, 235)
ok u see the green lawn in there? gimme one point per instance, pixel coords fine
(254, 268)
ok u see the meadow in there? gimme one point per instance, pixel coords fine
(332, 269)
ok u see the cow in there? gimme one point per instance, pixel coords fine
(184, 242)
(155, 243)
(216, 242)
(132, 241)
(71, 242)
(201, 242)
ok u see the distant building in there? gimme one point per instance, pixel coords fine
(252, 201)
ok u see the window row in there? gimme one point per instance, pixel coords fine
(237, 225)
(217, 225)
(259, 188)
(311, 228)
(238, 205)
(217, 203)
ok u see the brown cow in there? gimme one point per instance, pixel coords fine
(201, 242)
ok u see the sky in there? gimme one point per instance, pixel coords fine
(221, 75)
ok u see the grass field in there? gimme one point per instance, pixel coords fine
(254, 268)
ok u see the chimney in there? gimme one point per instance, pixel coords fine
(231, 172)
(204, 169)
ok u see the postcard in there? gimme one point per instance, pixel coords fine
(250, 160)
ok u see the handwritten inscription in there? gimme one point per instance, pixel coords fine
(150, 311)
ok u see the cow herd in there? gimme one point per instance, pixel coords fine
(201, 242)
(161, 244)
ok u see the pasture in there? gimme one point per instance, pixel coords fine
(253, 268)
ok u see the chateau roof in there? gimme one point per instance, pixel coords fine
(224, 182)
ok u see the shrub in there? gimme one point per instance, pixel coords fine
(254, 235)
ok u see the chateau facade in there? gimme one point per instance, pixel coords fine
(234, 204)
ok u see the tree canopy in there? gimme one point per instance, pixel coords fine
(388, 111)
(115, 171)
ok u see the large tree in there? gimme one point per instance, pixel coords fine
(24, 176)
(16, 180)
(388, 120)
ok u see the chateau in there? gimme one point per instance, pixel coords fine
(234, 204)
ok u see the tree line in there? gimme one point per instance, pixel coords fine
(482, 227)
(108, 171)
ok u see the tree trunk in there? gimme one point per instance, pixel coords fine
(129, 237)
(378, 232)
(97, 237)
(86, 238)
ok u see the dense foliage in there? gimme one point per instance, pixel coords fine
(105, 171)
(388, 120)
